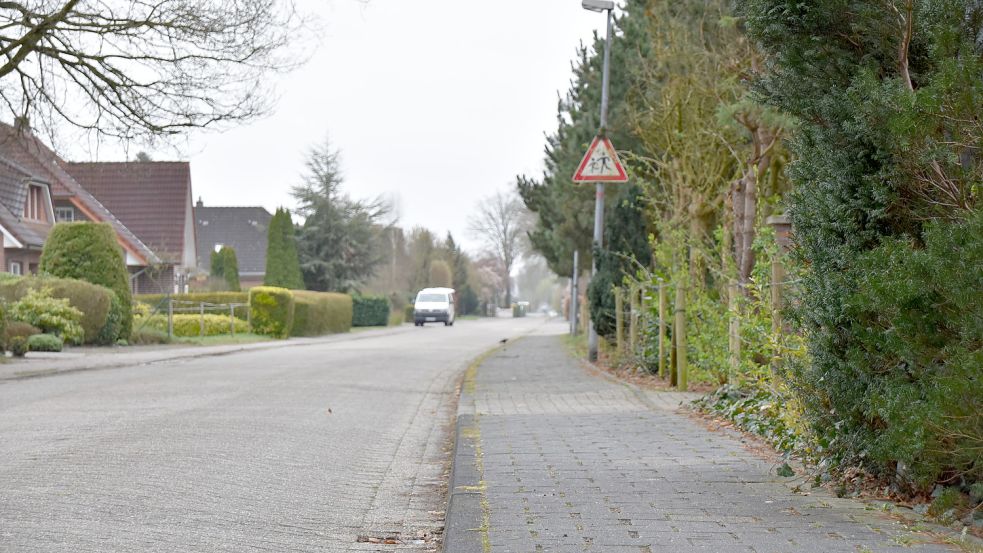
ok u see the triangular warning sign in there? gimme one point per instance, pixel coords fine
(601, 164)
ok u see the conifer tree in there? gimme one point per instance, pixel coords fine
(282, 262)
(230, 268)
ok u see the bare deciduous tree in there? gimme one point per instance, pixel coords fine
(140, 68)
(498, 222)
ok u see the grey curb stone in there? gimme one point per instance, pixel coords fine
(464, 516)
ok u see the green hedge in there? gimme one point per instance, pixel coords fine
(272, 311)
(189, 325)
(45, 342)
(319, 313)
(370, 311)
(409, 312)
(89, 252)
(102, 311)
(154, 300)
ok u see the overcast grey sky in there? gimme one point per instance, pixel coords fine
(436, 103)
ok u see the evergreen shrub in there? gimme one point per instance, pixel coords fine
(89, 252)
(282, 261)
(18, 346)
(370, 310)
(909, 381)
(230, 268)
(272, 311)
(886, 219)
(45, 342)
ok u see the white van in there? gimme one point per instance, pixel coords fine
(434, 305)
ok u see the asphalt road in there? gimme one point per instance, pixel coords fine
(301, 448)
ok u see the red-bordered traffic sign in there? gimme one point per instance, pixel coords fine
(601, 164)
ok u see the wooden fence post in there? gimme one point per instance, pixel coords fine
(635, 302)
(584, 315)
(733, 329)
(232, 319)
(662, 329)
(777, 281)
(201, 322)
(679, 333)
(619, 320)
(170, 318)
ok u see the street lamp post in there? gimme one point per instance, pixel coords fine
(600, 6)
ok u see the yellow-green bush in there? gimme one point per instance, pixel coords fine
(189, 326)
(272, 311)
(318, 313)
(51, 315)
(100, 323)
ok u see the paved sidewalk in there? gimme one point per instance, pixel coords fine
(99, 358)
(552, 458)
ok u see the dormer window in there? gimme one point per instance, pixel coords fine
(64, 214)
(34, 206)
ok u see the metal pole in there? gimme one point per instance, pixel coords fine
(599, 197)
(606, 72)
(574, 292)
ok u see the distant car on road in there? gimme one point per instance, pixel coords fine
(434, 305)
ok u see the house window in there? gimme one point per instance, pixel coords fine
(64, 214)
(15, 268)
(34, 206)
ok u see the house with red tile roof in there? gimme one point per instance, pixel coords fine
(153, 200)
(154, 197)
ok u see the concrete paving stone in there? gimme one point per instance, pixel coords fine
(577, 462)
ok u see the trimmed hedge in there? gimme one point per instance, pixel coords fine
(370, 311)
(319, 313)
(89, 252)
(189, 326)
(272, 311)
(45, 342)
(102, 311)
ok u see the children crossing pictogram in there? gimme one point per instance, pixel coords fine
(601, 164)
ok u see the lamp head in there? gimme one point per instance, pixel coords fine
(597, 5)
